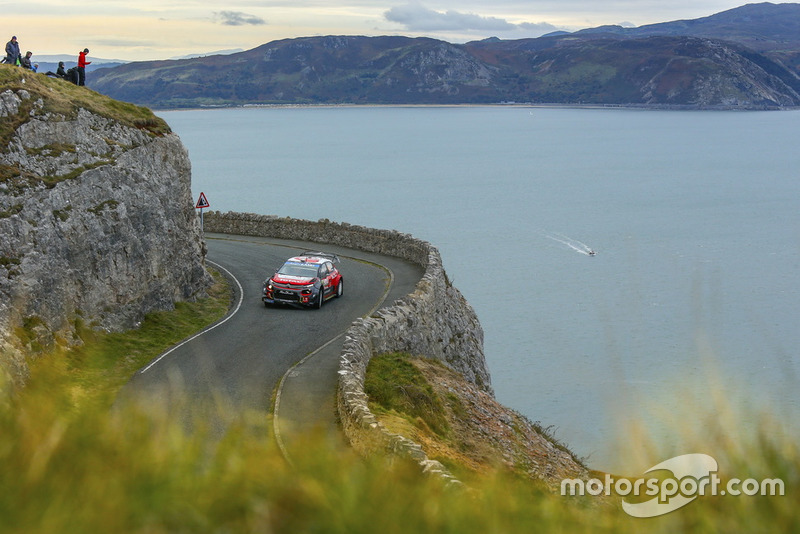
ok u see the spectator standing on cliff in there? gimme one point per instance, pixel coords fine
(12, 52)
(82, 66)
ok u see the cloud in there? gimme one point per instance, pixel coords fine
(538, 27)
(237, 18)
(419, 18)
(416, 17)
(113, 42)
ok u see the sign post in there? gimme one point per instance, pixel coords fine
(202, 202)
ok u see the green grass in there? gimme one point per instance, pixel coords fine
(136, 472)
(70, 464)
(94, 372)
(394, 384)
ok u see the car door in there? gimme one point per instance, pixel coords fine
(334, 276)
(325, 278)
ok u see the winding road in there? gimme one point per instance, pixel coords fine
(234, 367)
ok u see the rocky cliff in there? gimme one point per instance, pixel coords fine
(97, 226)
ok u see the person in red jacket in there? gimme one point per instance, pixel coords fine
(82, 66)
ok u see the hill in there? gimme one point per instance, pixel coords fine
(763, 27)
(771, 29)
(726, 60)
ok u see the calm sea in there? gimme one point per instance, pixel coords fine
(694, 291)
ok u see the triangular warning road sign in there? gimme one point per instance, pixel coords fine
(202, 202)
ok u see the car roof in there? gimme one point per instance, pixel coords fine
(307, 259)
(314, 258)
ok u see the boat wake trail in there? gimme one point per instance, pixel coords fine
(574, 244)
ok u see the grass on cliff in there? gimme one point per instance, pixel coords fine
(394, 385)
(458, 424)
(72, 465)
(92, 374)
(64, 98)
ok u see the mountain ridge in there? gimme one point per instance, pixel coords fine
(712, 65)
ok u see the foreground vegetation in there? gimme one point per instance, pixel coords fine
(72, 464)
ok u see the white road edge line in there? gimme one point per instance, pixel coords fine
(210, 328)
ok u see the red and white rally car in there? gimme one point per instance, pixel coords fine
(305, 280)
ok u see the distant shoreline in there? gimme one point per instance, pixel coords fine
(643, 107)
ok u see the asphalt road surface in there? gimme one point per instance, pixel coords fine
(233, 367)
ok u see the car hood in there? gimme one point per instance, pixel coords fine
(292, 280)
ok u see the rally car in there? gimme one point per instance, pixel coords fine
(305, 280)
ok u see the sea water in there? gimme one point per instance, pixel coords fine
(694, 290)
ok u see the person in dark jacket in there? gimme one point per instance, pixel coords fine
(25, 62)
(82, 66)
(12, 52)
(73, 76)
(59, 73)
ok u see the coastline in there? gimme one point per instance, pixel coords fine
(522, 105)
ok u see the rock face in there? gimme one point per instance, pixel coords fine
(96, 226)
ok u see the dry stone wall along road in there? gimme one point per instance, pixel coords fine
(235, 367)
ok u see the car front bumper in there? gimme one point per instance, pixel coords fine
(290, 296)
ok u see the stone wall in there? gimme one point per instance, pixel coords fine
(434, 320)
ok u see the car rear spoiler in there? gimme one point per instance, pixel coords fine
(333, 257)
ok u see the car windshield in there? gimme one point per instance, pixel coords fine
(298, 269)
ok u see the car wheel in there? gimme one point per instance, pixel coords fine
(320, 297)
(340, 289)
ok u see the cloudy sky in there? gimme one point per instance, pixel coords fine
(161, 29)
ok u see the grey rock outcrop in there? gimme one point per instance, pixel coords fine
(96, 227)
